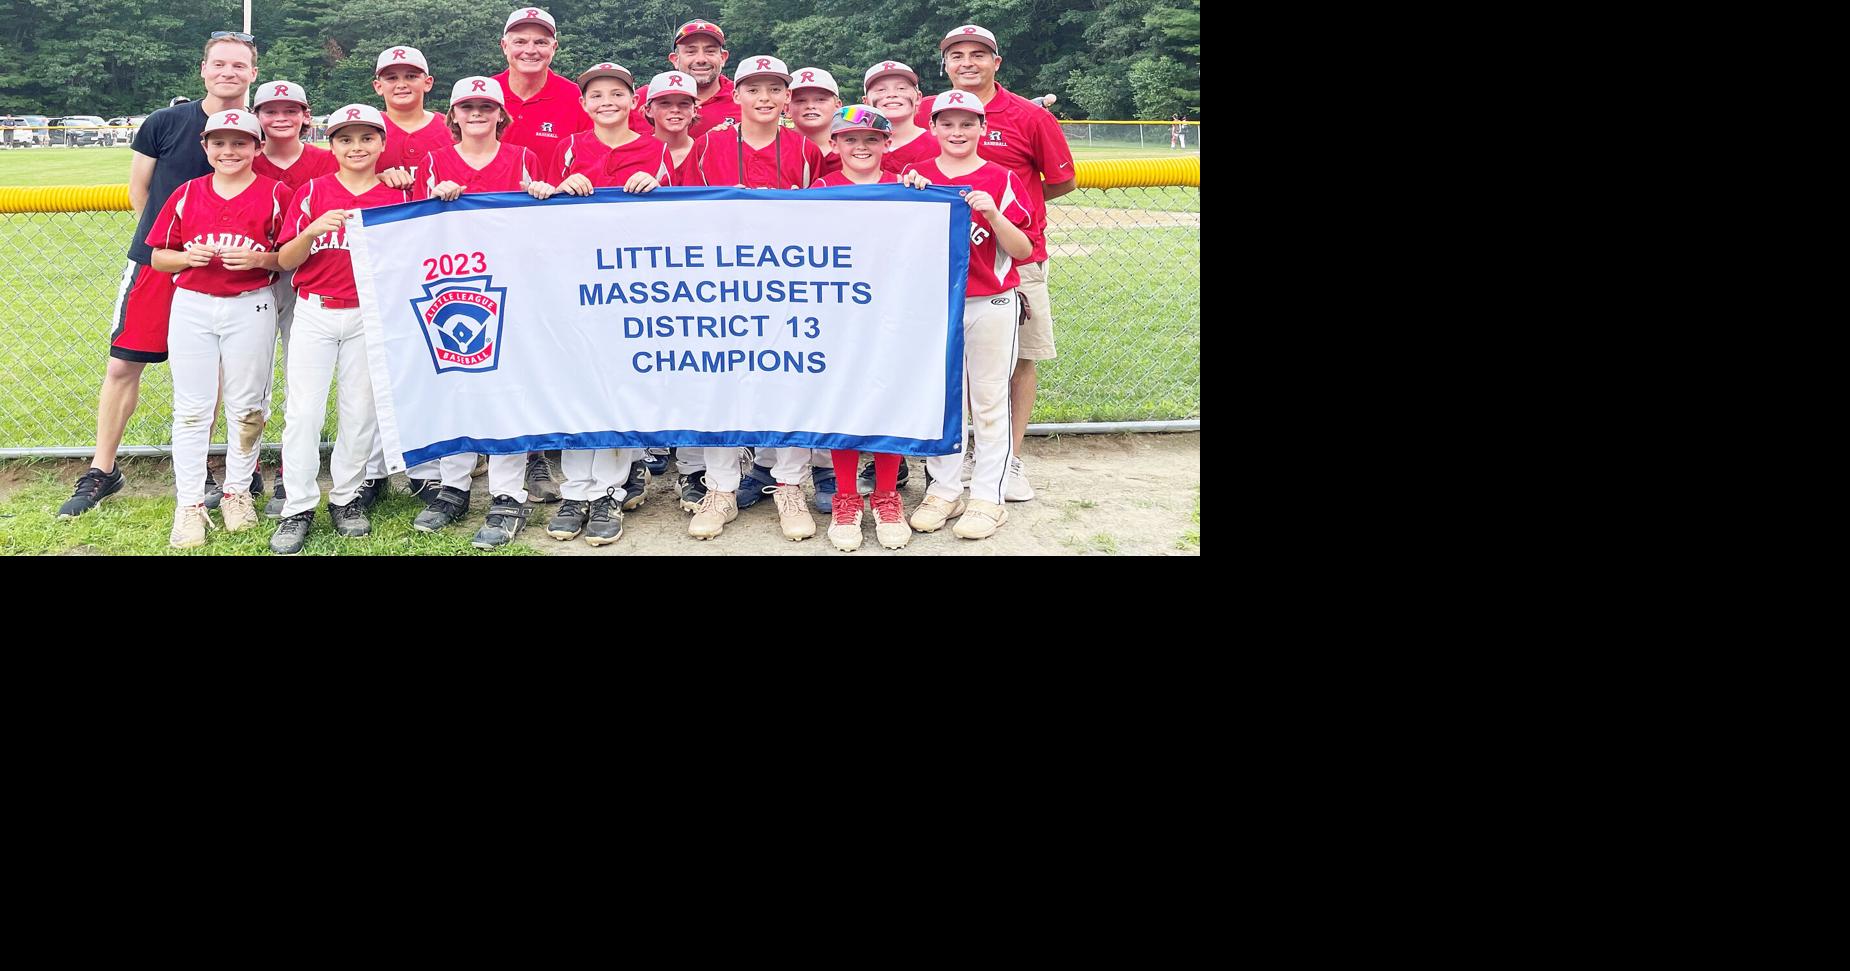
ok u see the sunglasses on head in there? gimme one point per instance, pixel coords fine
(232, 34)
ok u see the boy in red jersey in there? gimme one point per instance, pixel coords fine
(479, 162)
(999, 217)
(329, 335)
(600, 484)
(402, 79)
(282, 109)
(814, 100)
(218, 235)
(671, 109)
(758, 154)
(892, 89)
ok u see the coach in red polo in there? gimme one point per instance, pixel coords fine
(1025, 139)
(700, 52)
(542, 103)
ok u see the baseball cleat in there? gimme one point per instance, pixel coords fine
(606, 524)
(292, 534)
(448, 506)
(824, 481)
(890, 526)
(424, 490)
(569, 521)
(693, 489)
(755, 484)
(540, 487)
(931, 514)
(189, 527)
(715, 511)
(213, 493)
(350, 520)
(373, 490)
(793, 513)
(93, 487)
(980, 520)
(845, 522)
(239, 510)
(865, 481)
(274, 508)
(505, 518)
(636, 488)
(657, 461)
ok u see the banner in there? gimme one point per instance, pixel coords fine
(824, 318)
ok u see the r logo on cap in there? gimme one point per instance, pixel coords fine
(478, 86)
(281, 90)
(967, 30)
(353, 113)
(399, 54)
(674, 80)
(955, 97)
(809, 76)
(605, 66)
(532, 13)
(231, 119)
(888, 66)
(764, 64)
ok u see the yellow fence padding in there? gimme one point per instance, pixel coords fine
(64, 198)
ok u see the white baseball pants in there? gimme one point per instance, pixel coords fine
(590, 473)
(322, 343)
(990, 332)
(208, 337)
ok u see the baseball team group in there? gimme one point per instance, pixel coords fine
(241, 241)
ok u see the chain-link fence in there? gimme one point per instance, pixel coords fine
(1134, 137)
(1124, 270)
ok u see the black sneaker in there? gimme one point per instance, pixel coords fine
(371, 491)
(292, 533)
(213, 492)
(540, 487)
(693, 489)
(636, 489)
(274, 509)
(424, 490)
(93, 487)
(865, 481)
(448, 506)
(350, 520)
(657, 462)
(606, 525)
(257, 483)
(569, 521)
(505, 518)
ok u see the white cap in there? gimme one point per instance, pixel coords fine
(814, 77)
(475, 88)
(672, 82)
(234, 119)
(355, 115)
(760, 64)
(885, 68)
(607, 70)
(401, 55)
(531, 15)
(270, 91)
(958, 101)
(970, 32)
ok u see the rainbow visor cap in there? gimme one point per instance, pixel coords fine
(531, 15)
(695, 28)
(355, 115)
(885, 68)
(761, 65)
(476, 89)
(284, 91)
(958, 101)
(672, 82)
(234, 119)
(607, 70)
(401, 55)
(860, 118)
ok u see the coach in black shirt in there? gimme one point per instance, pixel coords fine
(167, 154)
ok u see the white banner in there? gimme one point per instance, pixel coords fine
(826, 318)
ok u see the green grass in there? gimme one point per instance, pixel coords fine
(1118, 151)
(64, 166)
(139, 526)
(1192, 538)
(1127, 314)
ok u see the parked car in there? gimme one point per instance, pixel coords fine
(122, 130)
(82, 131)
(29, 131)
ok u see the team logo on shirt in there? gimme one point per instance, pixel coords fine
(461, 319)
(994, 137)
(546, 126)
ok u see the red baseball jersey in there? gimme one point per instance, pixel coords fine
(546, 119)
(1026, 139)
(834, 179)
(707, 114)
(924, 148)
(313, 163)
(411, 150)
(992, 270)
(686, 171)
(831, 162)
(790, 161)
(329, 269)
(197, 214)
(512, 166)
(608, 167)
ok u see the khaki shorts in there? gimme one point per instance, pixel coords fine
(1037, 319)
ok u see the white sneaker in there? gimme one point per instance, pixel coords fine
(239, 510)
(980, 520)
(793, 512)
(929, 517)
(969, 470)
(1015, 487)
(716, 509)
(189, 527)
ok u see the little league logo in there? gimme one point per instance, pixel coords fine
(461, 320)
